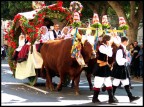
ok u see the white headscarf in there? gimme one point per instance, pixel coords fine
(46, 36)
(68, 35)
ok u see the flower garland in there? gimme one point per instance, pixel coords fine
(105, 23)
(31, 27)
(76, 6)
(76, 48)
(122, 24)
(37, 4)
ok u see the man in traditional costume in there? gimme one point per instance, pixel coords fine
(120, 71)
(103, 73)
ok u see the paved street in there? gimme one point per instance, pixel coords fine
(18, 92)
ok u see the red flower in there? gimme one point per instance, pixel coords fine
(43, 5)
(6, 36)
(59, 3)
(36, 35)
(13, 44)
(40, 15)
(28, 38)
(11, 31)
(29, 30)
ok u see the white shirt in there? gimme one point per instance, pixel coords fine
(52, 35)
(119, 56)
(106, 50)
(2, 49)
(66, 36)
(117, 40)
(45, 37)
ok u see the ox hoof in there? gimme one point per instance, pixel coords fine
(59, 89)
(77, 93)
(51, 88)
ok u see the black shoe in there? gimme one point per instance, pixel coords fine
(95, 100)
(103, 89)
(133, 98)
(113, 100)
(95, 97)
(131, 87)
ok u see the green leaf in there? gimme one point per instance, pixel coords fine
(96, 25)
(125, 27)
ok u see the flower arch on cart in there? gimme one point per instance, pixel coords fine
(30, 22)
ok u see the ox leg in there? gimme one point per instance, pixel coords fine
(76, 82)
(72, 84)
(42, 71)
(59, 86)
(88, 75)
(49, 81)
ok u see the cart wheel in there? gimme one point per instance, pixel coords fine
(66, 81)
(32, 80)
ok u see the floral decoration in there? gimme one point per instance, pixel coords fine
(76, 6)
(32, 27)
(38, 4)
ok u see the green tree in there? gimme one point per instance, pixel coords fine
(132, 12)
(10, 8)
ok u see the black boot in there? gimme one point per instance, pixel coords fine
(114, 89)
(131, 97)
(104, 88)
(15, 56)
(111, 97)
(95, 97)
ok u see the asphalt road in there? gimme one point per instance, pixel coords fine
(16, 92)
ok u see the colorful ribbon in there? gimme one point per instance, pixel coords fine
(96, 39)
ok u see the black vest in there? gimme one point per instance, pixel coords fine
(55, 35)
(124, 54)
(101, 56)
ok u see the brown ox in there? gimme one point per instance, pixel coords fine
(91, 64)
(57, 61)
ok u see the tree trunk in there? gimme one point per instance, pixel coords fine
(132, 34)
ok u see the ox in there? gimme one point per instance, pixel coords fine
(57, 61)
(91, 66)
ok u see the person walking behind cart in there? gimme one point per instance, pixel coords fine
(120, 71)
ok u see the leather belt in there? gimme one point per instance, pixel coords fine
(102, 63)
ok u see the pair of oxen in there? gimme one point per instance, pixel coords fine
(57, 61)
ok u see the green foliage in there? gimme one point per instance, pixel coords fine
(76, 24)
(96, 25)
(106, 26)
(10, 8)
(125, 27)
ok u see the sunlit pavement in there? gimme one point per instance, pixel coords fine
(18, 92)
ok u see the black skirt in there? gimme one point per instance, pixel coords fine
(103, 71)
(120, 72)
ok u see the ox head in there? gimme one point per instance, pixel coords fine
(87, 50)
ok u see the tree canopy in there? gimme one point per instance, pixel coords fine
(10, 8)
